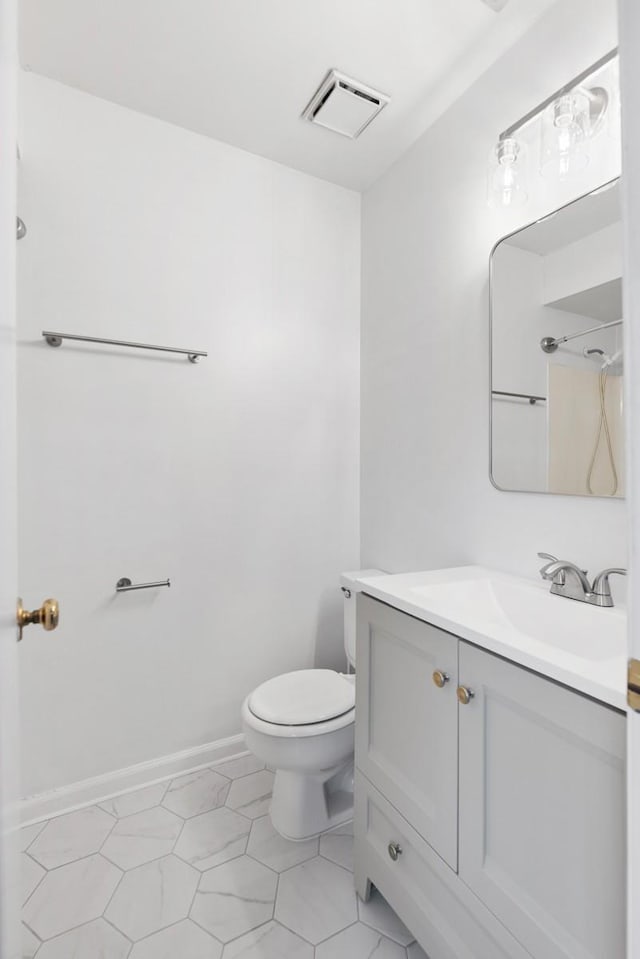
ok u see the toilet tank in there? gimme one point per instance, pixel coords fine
(351, 584)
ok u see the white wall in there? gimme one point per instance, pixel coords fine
(427, 233)
(592, 260)
(237, 478)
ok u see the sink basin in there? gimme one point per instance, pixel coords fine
(575, 643)
(489, 602)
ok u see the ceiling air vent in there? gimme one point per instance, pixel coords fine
(344, 105)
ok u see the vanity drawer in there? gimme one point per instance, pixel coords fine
(446, 918)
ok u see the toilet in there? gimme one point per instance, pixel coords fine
(301, 724)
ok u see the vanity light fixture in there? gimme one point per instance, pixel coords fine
(565, 131)
(569, 119)
(507, 185)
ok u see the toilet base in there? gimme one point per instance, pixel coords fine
(304, 805)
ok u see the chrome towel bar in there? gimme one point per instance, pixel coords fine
(125, 585)
(55, 339)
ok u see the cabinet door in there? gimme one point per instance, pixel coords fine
(542, 809)
(407, 726)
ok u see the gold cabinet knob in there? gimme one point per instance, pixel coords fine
(395, 850)
(47, 616)
(465, 695)
(440, 678)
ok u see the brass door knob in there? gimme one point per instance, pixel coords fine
(47, 616)
(465, 695)
(395, 850)
(440, 678)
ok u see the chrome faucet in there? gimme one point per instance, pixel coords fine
(569, 580)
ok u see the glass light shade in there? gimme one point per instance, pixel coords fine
(565, 136)
(507, 180)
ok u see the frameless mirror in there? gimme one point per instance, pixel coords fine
(556, 352)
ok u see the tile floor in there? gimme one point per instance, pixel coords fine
(193, 869)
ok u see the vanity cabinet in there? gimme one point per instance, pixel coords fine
(398, 706)
(496, 827)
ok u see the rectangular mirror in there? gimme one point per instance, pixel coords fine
(557, 352)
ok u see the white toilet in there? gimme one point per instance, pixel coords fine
(301, 724)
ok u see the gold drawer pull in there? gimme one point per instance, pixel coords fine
(465, 695)
(440, 678)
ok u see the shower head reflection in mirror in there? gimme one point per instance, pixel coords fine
(603, 431)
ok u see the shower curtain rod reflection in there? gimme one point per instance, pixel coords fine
(55, 339)
(549, 344)
(521, 396)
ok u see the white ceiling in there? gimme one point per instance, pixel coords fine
(243, 70)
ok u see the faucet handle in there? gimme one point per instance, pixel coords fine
(550, 560)
(548, 556)
(601, 585)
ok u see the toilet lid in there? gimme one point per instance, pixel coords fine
(303, 697)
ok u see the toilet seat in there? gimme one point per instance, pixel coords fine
(303, 698)
(276, 731)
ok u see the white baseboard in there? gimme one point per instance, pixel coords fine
(89, 791)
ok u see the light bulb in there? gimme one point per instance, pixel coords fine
(565, 131)
(507, 185)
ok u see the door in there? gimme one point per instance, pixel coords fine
(8, 542)
(407, 725)
(542, 809)
(630, 96)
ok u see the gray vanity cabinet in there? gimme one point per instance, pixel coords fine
(407, 727)
(493, 823)
(542, 809)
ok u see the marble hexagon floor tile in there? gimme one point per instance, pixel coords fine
(359, 942)
(251, 794)
(271, 941)
(71, 895)
(235, 898)
(196, 793)
(70, 837)
(183, 882)
(241, 766)
(30, 944)
(213, 838)
(153, 896)
(96, 939)
(337, 845)
(378, 914)
(416, 952)
(136, 801)
(31, 873)
(142, 837)
(316, 899)
(29, 833)
(185, 940)
(269, 847)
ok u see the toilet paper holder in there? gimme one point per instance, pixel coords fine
(125, 585)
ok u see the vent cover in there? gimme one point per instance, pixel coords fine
(344, 105)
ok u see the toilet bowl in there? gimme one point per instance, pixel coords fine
(301, 724)
(312, 756)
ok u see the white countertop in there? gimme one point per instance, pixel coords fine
(582, 646)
